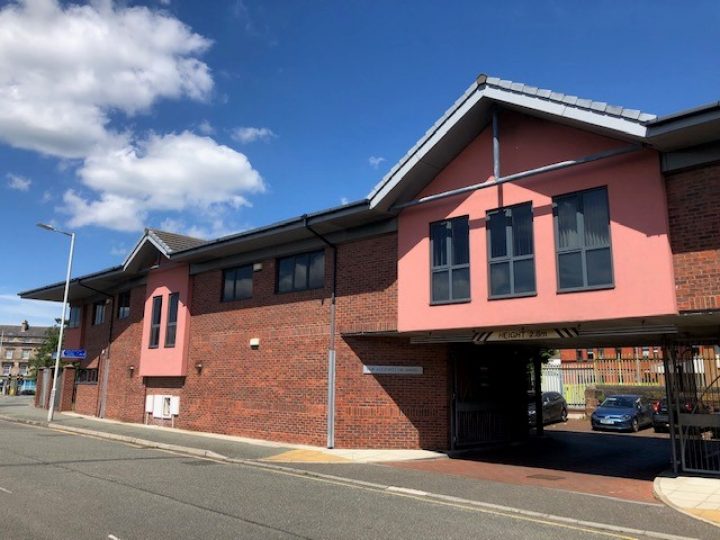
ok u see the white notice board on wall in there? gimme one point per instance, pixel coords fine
(392, 370)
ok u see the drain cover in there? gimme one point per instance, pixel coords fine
(546, 477)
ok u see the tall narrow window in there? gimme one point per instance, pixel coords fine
(172, 315)
(450, 249)
(98, 313)
(123, 310)
(155, 322)
(74, 320)
(237, 283)
(582, 238)
(301, 272)
(511, 253)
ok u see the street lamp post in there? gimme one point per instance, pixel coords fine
(51, 408)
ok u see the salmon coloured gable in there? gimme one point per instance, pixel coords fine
(642, 280)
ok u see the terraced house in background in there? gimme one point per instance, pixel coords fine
(523, 219)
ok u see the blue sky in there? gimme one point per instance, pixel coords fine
(208, 118)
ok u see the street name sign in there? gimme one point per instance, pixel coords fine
(76, 354)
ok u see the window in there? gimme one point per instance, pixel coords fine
(646, 352)
(578, 355)
(75, 315)
(618, 353)
(23, 369)
(155, 322)
(450, 252)
(87, 376)
(98, 313)
(9, 354)
(510, 251)
(301, 272)
(6, 369)
(26, 354)
(172, 315)
(590, 354)
(601, 354)
(582, 239)
(237, 283)
(123, 309)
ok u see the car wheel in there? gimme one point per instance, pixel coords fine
(635, 426)
(563, 415)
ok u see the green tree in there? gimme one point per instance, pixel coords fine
(44, 355)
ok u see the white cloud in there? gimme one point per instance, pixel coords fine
(119, 251)
(14, 310)
(19, 183)
(47, 196)
(344, 200)
(84, 62)
(214, 229)
(375, 161)
(175, 172)
(246, 135)
(206, 128)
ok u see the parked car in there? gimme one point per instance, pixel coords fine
(27, 388)
(554, 408)
(623, 412)
(661, 418)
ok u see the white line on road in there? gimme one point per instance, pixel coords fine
(5, 490)
(112, 537)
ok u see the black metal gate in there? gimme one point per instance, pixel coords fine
(489, 397)
(693, 388)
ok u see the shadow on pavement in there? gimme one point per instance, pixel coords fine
(604, 454)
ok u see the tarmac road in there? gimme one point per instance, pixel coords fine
(59, 485)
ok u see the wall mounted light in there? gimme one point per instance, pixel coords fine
(199, 367)
(131, 370)
(254, 343)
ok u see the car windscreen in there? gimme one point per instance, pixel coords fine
(619, 402)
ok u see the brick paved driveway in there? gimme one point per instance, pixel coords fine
(570, 457)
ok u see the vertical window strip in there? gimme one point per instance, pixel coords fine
(172, 316)
(583, 247)
(155, 322)
(450, 260)
(511, 255)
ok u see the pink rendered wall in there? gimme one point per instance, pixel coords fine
(164, 361)
(642, 261)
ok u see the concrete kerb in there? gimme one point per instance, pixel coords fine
(393, 490)
(658, 493)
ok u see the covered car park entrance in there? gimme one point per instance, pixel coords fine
(495, 371)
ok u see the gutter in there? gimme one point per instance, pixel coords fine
(331, 344)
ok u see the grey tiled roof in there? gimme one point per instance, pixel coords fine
(15, 330)
(173, 242)
(573, 101)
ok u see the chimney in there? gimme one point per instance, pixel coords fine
(24, 326)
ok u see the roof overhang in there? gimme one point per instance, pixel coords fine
(470, 114)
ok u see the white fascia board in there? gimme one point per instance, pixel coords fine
(562, 110)
(138, 247)
(406, 164)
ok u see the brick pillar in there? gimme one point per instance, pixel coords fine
(38, 386)
(66, 385)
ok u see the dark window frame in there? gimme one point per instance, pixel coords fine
(449, 267)
(155, 322)
(234, 271)
(583, 249)
(295, 258)
(98, 314)
(75, 321)
(86, 376)
(123, 310)
(171, 320)
(510, 258)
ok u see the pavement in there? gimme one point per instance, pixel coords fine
(636, 478)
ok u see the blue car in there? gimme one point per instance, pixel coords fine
(624, 412)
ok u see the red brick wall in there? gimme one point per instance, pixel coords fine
(693, 207)
(279, 391)
(66, 386)
(86, 399)
(126, 392)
